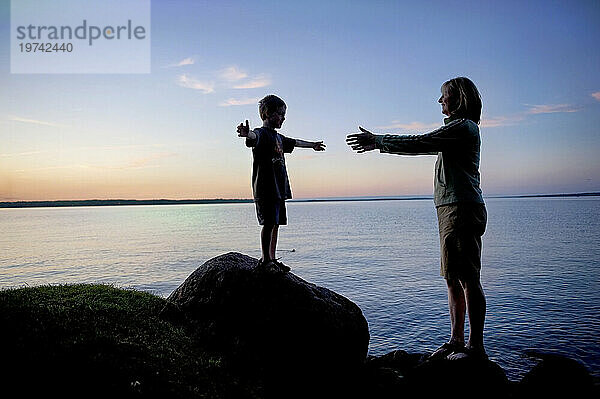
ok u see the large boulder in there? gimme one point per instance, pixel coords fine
(273, 323)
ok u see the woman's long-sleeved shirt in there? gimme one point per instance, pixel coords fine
(457, 146)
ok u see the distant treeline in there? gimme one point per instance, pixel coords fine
(595, 194)
(115, 202)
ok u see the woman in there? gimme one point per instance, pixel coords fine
(459, 203)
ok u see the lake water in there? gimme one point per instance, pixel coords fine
(541, 263)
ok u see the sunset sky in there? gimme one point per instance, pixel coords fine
(337, 64)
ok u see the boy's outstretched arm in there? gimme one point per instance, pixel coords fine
(244, 131)
(315, 145)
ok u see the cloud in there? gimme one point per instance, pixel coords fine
(500, 121)
(550, 109)
(113, 147)
(51, 168)
(185, 61)
(34, 121)
(232, 73)
(191, 83)
(420, 127)
(509, 120)
(242, 101)
(230, 77)
(21, 154)
(412, 126)
(136, 163)
(596, 95)
(85, 148)
(491, 122)
(260, 81)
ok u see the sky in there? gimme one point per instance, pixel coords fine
(171, 133)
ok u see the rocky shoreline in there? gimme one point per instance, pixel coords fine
(232, 331)
(275, 322)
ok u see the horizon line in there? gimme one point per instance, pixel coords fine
(163, 201)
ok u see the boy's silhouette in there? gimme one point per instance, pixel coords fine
(270, 183)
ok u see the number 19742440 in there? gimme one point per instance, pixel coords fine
(45, 47)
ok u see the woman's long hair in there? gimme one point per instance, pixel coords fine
(464, 99)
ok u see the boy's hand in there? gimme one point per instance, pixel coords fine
(243, 130)
(361, 142)
(318, 146)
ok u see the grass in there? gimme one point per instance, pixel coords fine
(97, 340)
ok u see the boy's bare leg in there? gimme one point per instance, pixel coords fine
(457, 307)
(273, 245)
(266, 235)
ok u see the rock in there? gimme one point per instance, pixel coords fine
(384, 376)
(461, 378)
(399, 360)
(412, 375)
(274, 324)
(556, 375)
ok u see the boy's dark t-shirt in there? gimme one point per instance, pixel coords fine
(269, 174)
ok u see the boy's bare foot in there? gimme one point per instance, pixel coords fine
(268, 266)
(281, 266)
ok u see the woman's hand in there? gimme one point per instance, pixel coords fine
(361, 142)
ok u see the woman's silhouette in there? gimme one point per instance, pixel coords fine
(460, 208)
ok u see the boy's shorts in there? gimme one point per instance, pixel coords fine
(461, 226)
(271, 212)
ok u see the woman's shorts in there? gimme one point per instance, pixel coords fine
(271, 212)
(461, 226)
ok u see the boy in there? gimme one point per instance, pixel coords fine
(270, 184)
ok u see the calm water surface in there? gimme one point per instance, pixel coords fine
(541, 259)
